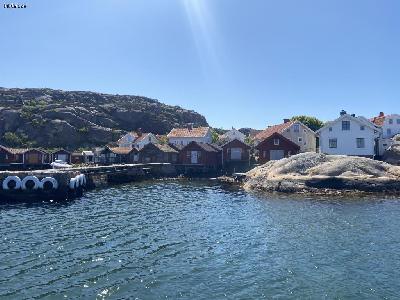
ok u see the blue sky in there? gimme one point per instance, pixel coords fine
(240, 63)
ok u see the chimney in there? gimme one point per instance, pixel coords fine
(286, 121)
(190, 126)
(353, 115)
(139, 132)
(343, 112)
(381, 114)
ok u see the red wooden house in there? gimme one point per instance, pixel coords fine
(62, 155)
(274, 147)
(11, 156)
(36, 157)
(235, 151)
(158, 153)
(201, 154)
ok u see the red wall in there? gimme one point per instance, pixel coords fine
(268, 144)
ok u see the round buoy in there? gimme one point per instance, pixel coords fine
(73, 183)
(12, 183)
(30, 183)
(49, 183)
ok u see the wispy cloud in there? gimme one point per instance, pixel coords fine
(205, 35)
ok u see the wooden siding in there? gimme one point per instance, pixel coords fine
(264, 147)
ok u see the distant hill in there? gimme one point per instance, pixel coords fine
(72, 119)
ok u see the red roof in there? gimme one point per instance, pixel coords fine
(186, 132)
(272, 129)
(378, 120)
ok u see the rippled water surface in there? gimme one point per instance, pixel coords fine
(169, 240)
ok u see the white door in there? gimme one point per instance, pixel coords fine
(276, 154)
(193, 159)
(236, 153)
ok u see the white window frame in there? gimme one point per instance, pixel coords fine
(331, 141)
(360, 142)
(276, 142)
(346, 128)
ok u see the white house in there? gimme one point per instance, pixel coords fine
(233, 134)
(183, 136)
(295, 131)
(137, 140)
(390, 125)
(127, 140)
(144, 139)
(349, 135)
(88, 156)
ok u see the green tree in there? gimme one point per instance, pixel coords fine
(311, 122)
(12, 139)
(214, 135)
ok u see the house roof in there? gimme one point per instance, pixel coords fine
(361, 120)
(187, 132)
(380, 120)
(280, 136)
(121, 150)
(239, 141)
(142, 137)
(204, 146)
(15, 150)
(132, 133)
(233, 130)
(272, 129)
(87, 153)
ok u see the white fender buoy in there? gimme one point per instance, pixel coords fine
(34, 179)
(82, 179)
(53, 181)
(72, 183)
(9, 179)
(78, 181)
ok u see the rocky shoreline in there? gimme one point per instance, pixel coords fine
(320, 174)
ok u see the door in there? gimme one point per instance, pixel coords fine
(236, 153)
(62, 157)
(276, 154)
(33, 159)
(193, 157)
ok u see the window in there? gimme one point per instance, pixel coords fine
(265, 154)
(390, 121)
(330, 128)
(398, 121)
(300, 139)
(276, 142)
(332, 143)
(296, 128)
(362, 127)
(345, 125)
(360, 142)
(389, 131)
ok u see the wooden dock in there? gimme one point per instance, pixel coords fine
(63, 184)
